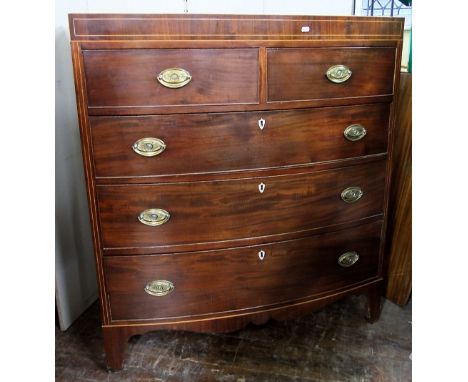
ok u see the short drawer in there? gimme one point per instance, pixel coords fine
(129, 77)
(301, 74)
(204, 143)
(210, 211)
(256, 277)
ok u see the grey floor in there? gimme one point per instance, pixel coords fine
(332, 344)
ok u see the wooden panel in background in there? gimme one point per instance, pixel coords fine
(400, 218)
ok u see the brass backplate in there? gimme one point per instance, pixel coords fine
(149, 147)
(348, 259)
(154, 217)
(159, 288)
(174, 78)
(355, 132)
(339, 73)
(351, 194)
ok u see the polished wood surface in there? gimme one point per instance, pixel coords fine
(247, 173)
(300, 74)
(289, 271)
(399, 279)
(243, 67)
(127, 78)
(233, 141)
(374, 302)
(109, 27)
(235, 209)
(86, 150)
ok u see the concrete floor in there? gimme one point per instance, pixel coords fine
(332, 344)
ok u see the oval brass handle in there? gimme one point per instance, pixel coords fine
(149, 147)
(174, 78)
(154, 217)
(339, 73)
(355, 132)
(348, 259)
(159, 288)
(351, 194)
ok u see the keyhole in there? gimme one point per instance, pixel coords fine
(261, 187)
(261, 123)
(261, 254)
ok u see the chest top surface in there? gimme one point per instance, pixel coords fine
(101, 27)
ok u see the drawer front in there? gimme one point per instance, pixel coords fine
(301, 74)
(203, 143)
(202, 212)
(240, 278)
(128, 77)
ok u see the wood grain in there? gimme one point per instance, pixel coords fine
(300, 74)
(289, 271)
(399, 281)
(233, 141)
(203, 212)
(230, 27)
(127, 78)
(86, 150)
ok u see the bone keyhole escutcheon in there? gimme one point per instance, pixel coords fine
(261, 187)
(261, 123)
(261, 254)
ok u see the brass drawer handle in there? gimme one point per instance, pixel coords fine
(339, 73)
(174, 78)
(348, 259)
(159, 288)
(149, 147)
(351, 194)
(154, 217)
(355, 132)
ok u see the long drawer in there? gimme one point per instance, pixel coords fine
(301, 74)
(199, 212)
(197, 283)
(129, 77)
(201, 143)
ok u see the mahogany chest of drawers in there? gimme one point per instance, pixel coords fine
(237, 167)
